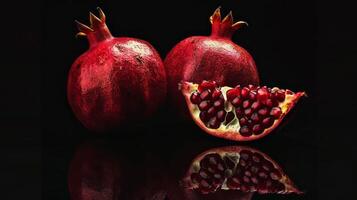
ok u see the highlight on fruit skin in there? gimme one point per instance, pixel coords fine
(237, 168)
(240, 113)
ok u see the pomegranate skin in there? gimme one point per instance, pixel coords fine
(117, 81)
(213, 57)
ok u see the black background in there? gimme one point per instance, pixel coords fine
(301, 45)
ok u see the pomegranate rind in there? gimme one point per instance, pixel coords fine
(232, 132)
(290, 187)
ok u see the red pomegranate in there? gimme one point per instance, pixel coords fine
(118, 80)
(240, 113)
(213, 57)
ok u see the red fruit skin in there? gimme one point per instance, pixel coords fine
(213, 57)
(118, 80)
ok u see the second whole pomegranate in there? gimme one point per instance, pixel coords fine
(213, 57)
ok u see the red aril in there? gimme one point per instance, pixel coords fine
(237, 168)
(116, 81)
(213, 57)
(248, 113)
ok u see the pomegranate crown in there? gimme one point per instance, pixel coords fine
(225, 27)
(97, 31)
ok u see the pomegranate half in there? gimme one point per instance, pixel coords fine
(240, 113)
(116, 81)
(213, 57)
(237, 168)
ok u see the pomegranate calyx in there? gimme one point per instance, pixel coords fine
(226, 27)
(97, 31)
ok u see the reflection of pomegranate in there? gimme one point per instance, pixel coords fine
(240, 113)
(213, 57)
(237, 168)
(116, 81)
(94, 173)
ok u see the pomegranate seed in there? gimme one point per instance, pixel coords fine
(244, 188)
(280, 95)
(257, 158)
(244, 93)
(245, 131)
(254, 180)
(216, 94)
(255, 117)
(232, 93)
(219, 104)
(262, 94)
(204, 174)
(263, 111)
(263, 175)
(221, 115)
(239, 112)
(195, 98)
(269, 103)
(243, 121)
(267, 122)
(246, 179)
(254, 169)
(257, 129)
(205, 95)
(203, 116)
(248, 173)
(252, 95)
(214, 123)
(236, 101)
(275, 112)
(207, 85)
(211, 112)
(275, 175)
(245, 155)
(204, 105)
(248, 112)
(268, 166)
(246, 104)
(204, 183)
(229, 117)
(256, 105)
(251, 87)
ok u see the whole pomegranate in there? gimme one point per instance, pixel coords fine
(118, 80)
(213, 57)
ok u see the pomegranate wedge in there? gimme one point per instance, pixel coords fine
(237, 168)
(240, 113)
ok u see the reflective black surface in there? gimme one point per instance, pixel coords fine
(149, 161)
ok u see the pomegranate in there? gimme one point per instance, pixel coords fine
(213, 57)
(240, 113)
(118, 80)
(237, 168)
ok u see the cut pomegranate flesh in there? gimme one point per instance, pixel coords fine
(240, 113)
(237, 168)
